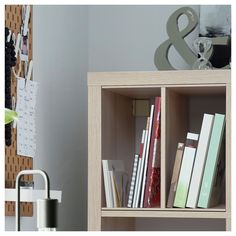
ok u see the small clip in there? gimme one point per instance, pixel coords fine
(25, 68)
(17, 49)
(9, 36)
(13, 38)
(17, 44)
(14, 108)
(29, 72)
(26, 20)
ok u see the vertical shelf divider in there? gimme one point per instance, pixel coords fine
(163, 147)
(94, 158)
(228, 151)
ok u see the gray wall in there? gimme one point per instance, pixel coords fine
(60, 66)
(68, 41)
(124, 38)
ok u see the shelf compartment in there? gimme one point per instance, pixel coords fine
(121, 130)
(185, 106)
(124, 87)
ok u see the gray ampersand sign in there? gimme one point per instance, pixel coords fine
(176, 38)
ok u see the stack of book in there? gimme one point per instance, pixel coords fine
(198, 171)
(115, 183)
(145, 181)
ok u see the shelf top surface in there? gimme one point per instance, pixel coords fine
(219, 208)
(167, 212)
(174, 77)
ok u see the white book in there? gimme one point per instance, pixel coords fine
(114, 191)
(110, 166)
(200, 160)
(186, 170)
(139, 168)
(133, 179)
(146, 157)
(139, 180)
(107, 184)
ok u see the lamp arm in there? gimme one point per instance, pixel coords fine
(18, 178)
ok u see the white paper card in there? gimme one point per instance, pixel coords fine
(25, 107)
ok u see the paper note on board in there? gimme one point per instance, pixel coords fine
(26, 102)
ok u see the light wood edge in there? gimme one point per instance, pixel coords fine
(228, 224)
(160, 77)
(157, 85)
(228, 148)
(163, 147)
(217, 209)
(94, 158)
(165, 214)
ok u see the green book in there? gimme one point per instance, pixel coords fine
(211, 161)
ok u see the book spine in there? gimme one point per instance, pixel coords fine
(106, 177)
(139, 167)
(152, 188)
(143, 184)
(211, 160)
(186, 170)
(200, 159)
(175, 174)
(113, 189)
(133, 179)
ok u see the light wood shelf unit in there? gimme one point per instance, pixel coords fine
(186, 95)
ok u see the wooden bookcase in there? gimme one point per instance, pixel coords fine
(186, 96)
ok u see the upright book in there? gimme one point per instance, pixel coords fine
(211, 161)
(107, 184)
(200, 159)
(141, 149)
(186, 170)
(152, 185)
(145, 167)
(175, 174)
(115, 182)
(133, 179)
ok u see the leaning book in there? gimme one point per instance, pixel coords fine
(186, 170)
(212, 160)
(200, 160)
(175, 174)
(133, 180)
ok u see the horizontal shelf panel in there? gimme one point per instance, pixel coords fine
(146, 92)
(159, 77)
(164, 213)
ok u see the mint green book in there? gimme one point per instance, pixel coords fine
(211, 161)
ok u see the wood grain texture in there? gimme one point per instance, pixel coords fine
(165, 214)
(118, 126)
(179, 90)
(13, 162)
(159, 77)
(176, 130)
(228, 224)
(118, 224)
(228, 149)
(94, 158)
